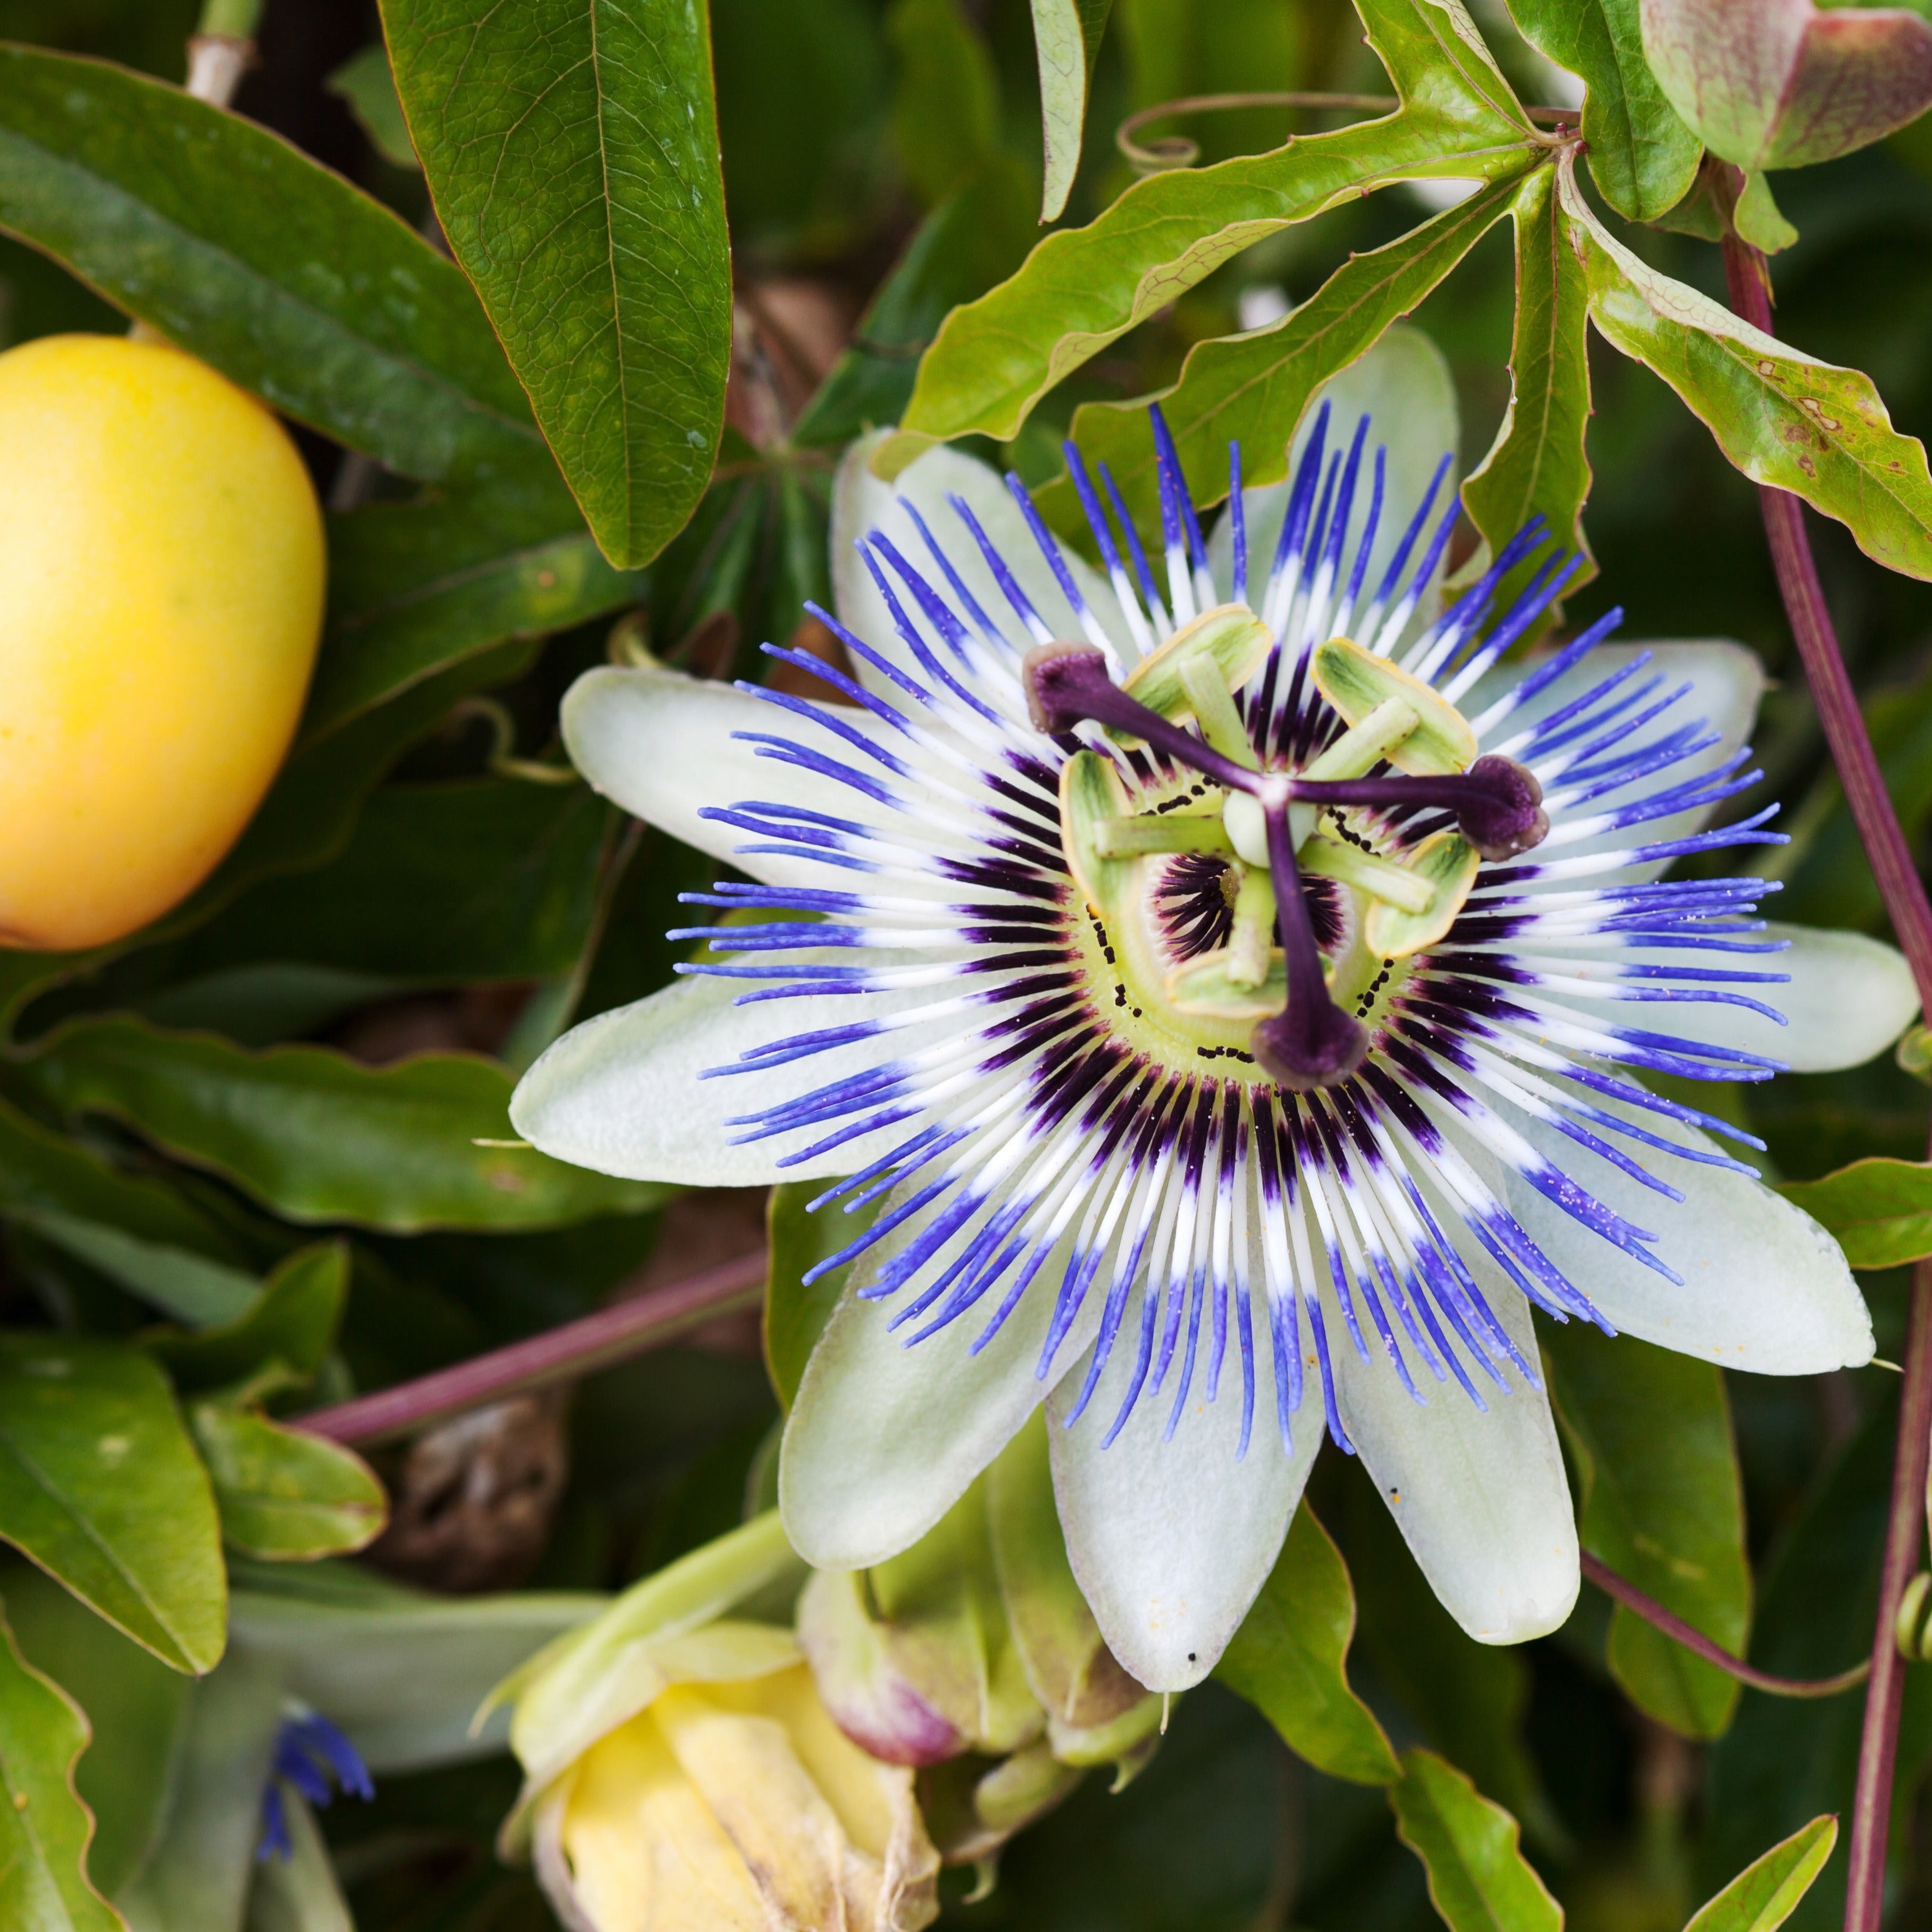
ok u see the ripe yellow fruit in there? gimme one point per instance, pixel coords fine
(161, 579)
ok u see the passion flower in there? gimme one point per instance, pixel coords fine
(1222, 1001)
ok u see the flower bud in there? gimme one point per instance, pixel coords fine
(1780, 84)
(915, 1658)
(683, 1773)
(1096, 1713)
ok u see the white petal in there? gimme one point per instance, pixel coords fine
(1727, 682)
(624, 1092)
(1172, 1540)
(1404, 385)
(862, 502)
(661, 745)
(883, 1439)
(1765, 1288)
(1849, 998)
(1481, 1498)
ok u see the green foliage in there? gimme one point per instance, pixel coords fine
(1290, 1660)
(319, 1137)
(43, 1828)
(1255, 388)
(285, 1496)
(796, 1313)
(1880, 1211)
(1082, 288)
(572, 150)
(1766, 1892)
(1641, 157)
(1537, 466)
(308, 293)
(1649, 1433)
(1067, 35)
(945, 109)
(1782, 418)
(183, 1113)
(1478, 1879)
(416, 588)
(100, 1485)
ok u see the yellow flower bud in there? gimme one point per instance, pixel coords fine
(684, 1775)
(730, 1805)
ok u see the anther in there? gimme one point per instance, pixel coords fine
(1498, 802)
(1068, 685)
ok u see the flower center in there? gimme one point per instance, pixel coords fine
(1256, 912)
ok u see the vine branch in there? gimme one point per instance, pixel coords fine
(1177, 150)
(1694, 1640)
(632, 1326)
(1906, 903)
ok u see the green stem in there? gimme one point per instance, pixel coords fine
(230, 20)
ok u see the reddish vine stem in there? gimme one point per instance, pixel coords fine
(1694, 1640)
(631, 1326)
(1906, 902)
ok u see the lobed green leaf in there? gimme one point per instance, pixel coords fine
(1783, 418)
(44, 1827)
(1642, 157)
(1767, 1891)
(1537, 464)
(1254, 388)
(1082, 289)
(1479, 1880)
(571, 149)
(1290, 1660)
(1649, 1432)
(100, 1485)
(234, 244)
(318, 1137)
(1067, 36)
(1879, 1210)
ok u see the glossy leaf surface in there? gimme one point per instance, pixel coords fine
(321, 1138)
(260, 261)
(1290, 1659)
(100, 1486)
(572, 146)
(283, 1495)
(1478, 1879)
